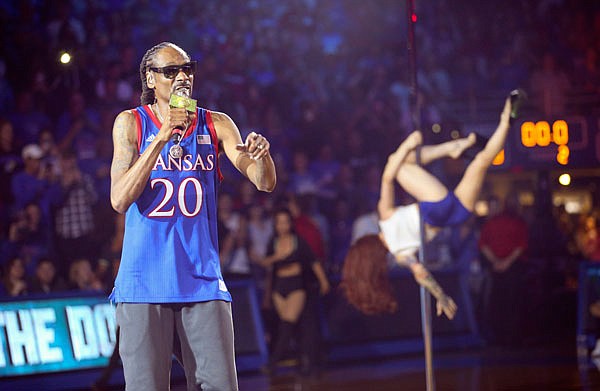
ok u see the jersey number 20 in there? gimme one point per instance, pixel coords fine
(160, 210)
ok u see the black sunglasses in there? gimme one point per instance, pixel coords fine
(172, 71)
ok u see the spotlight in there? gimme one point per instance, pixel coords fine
(65, 58)
(436, 128)
(455, 134)
(564, 179)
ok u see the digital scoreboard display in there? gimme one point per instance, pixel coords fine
(570, 142)
(58, 334)
(541, 134)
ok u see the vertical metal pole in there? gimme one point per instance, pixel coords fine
(416, 119)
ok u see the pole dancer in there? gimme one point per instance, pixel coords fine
(365, 281)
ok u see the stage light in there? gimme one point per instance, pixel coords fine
(414, 18)
(436, 128)
(564, 179)
(65, 58)
(455, 134)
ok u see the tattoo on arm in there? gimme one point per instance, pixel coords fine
(125, 152)
(431, 285)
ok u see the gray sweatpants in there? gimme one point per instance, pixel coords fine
(203, 331)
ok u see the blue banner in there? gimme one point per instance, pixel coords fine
(58, 334)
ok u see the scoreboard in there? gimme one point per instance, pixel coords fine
(537, 143)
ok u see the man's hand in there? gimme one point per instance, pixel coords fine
(256, 145)
(175, 118)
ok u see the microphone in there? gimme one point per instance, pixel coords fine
(180, 100)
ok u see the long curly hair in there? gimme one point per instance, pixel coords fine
(365, 281)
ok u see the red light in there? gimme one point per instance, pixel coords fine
(414, 18)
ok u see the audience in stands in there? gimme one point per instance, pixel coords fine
(326, 82)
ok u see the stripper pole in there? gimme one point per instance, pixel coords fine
(416, 121)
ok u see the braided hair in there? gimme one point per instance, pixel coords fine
(147, 96)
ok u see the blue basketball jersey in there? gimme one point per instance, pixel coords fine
(170, 249)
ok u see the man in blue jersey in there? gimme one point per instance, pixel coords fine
(169, 290)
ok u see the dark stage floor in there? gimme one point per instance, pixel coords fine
(551, 367)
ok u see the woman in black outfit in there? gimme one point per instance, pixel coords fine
(293, 266)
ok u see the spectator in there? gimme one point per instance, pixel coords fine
(45, 279)
(78, 128)
(325, 168)
(50, 161)
(235, 253)
(103, 271)
(10, 161)
(260, 229)
(345, 186)
(587, 238)
(82, 278)
(226, 212)
(306, 228)
(31, 184)
(14, 283)
(27, 120)
(113, 88)
(549, 87)
(73, 199)
(29, 236)
(587, 73)
(368, 193)
(6, 91)
(245, 196)
(340, 234)
(291, 261)
(511, 71)
(301, 179)
(503, 244)
(65, 31)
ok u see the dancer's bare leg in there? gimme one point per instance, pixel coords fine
(394, 169)
(453, 149)
(414, 179)
(420, 184)
(469, 186)
(399, 156)
(417, 181)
